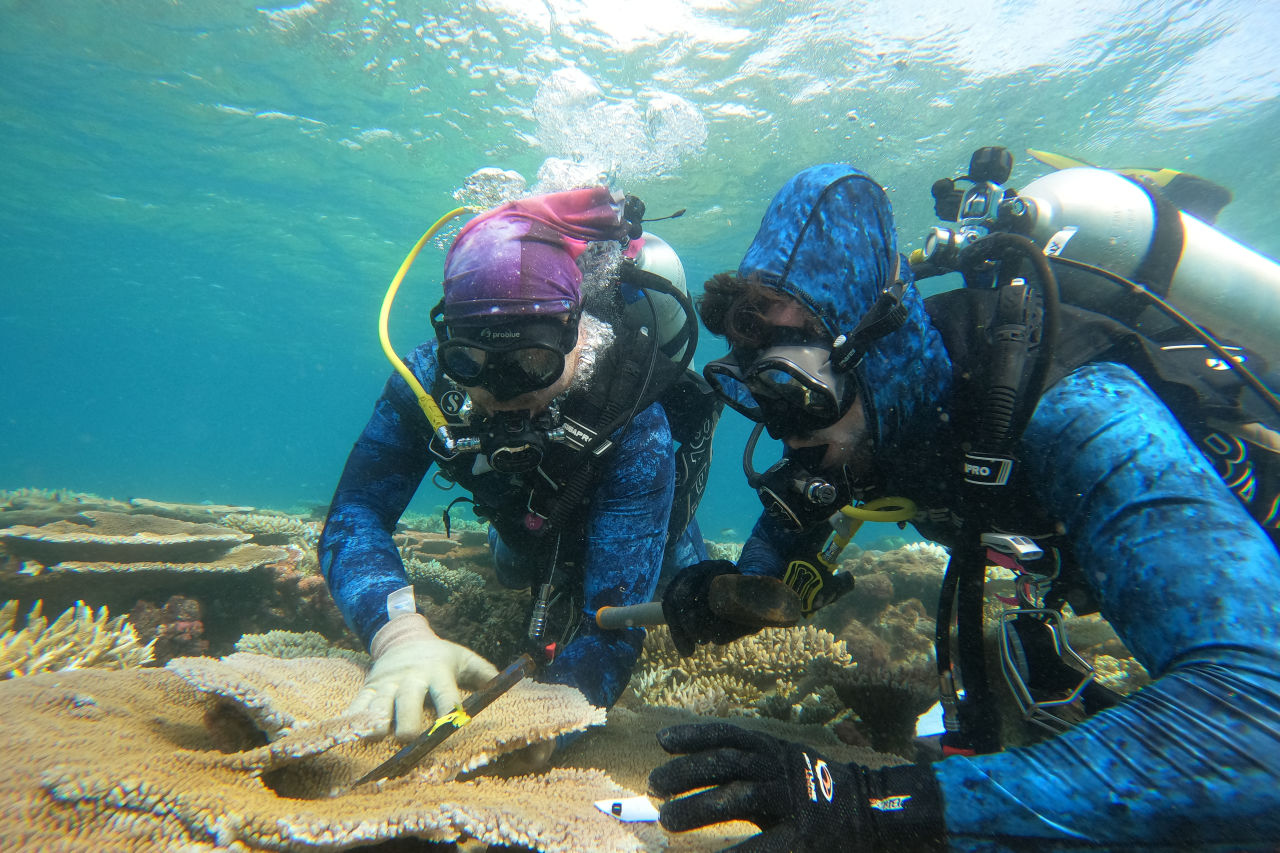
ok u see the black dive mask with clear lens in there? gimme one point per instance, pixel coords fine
(792, 490)
(506, 359)
(792, 389)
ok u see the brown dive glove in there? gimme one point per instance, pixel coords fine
(686, 605)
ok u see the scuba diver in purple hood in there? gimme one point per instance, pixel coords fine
(1027, 432)
(578, 431)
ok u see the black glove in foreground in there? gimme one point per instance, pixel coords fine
(799, 799)
(686, 605)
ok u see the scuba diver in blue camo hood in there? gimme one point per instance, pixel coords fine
(868, 385)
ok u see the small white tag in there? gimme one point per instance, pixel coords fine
(631, 810)
(400, 602)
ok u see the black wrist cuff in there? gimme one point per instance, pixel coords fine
(903, 808)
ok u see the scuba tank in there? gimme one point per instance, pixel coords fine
(1107, 220)
(656, 256)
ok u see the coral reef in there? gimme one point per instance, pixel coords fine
(114, 558)
(440, 581)
(299, 597)
(175, 629)
(41, 506)
(294, 644)
(1122, 674)
(190, 585)
(111, 537)
(915, 569)
(468, 530)
(776, 672)
(272, 528)
(79, 638)
(724, 550)
(489, 620)
(128, 761)
(864, 664)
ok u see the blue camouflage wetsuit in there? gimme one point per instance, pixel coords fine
(622, 537)
(1182, 572)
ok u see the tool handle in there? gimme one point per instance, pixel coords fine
(750, 600)
(616, 618)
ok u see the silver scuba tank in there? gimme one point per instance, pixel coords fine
(657, 256)
(1223, 285)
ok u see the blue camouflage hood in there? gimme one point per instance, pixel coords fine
(828, 240)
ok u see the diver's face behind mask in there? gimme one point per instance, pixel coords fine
(507, 359)
(791, 387)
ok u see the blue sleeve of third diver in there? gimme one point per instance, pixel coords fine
(1188, 580)
(625, 535)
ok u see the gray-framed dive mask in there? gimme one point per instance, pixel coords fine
(792, 389)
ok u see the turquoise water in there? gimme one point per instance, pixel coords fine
(201, 203)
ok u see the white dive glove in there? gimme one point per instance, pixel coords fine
(410, 661)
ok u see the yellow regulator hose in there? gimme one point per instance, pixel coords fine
(881, 509)
(425, 400)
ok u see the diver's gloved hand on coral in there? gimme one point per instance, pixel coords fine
(410, 662)
(799, 799)
(686, 605)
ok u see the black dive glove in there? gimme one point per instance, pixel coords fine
(686, 605)
(799, 799)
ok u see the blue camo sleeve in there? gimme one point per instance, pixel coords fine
(1189, 582)
(358, 557)
(771, 546)
(625, 535)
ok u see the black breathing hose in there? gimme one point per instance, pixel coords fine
(1003, 393)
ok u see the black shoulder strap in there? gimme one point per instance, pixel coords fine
(1155, 272)
(634, 375)
(692, 411)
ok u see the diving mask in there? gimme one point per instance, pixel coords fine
(790, 388)
(506, 359)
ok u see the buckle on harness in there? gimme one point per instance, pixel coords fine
(1025, 623)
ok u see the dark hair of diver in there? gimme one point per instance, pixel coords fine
(735, 308)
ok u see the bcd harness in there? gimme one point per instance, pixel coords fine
(1008, 343)
(539, 514)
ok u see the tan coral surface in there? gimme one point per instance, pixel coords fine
(127, 760)
(92, 536)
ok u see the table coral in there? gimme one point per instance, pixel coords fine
(125, 761)
(94, 536)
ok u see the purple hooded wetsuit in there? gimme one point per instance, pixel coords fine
(516, 260)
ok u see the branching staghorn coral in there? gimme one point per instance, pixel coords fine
(292, 644)
(79, 638)
(773, 672)
(274, 529)
(438, 580)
